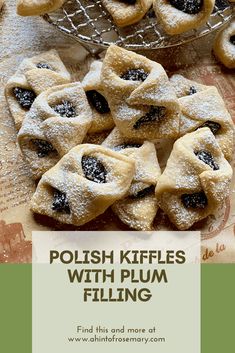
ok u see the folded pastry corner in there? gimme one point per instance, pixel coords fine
(196, 180)
(58, 121)
(142, 101)
(224, 45)
(83, 184)
(33, 77)
(185, 87)
(127, 12)
(139, 207)
(179, 16)
(207, 108)
(37, 7)
(20, 97)
(102, 117)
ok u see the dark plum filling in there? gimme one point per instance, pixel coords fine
(128, 2)
(197, 200)
(127, 145)
(93, 169)
(65, 109)
(98, 101)
(192, 90)
(207, 158)
(60, 202)
(191, 7)
(135, 75)
(142, 193)
(44, 66)
(25, 97)
(214, 127)
(43, 148)
(155, 114)
(232, 39)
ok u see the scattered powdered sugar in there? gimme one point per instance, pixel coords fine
(66, 192)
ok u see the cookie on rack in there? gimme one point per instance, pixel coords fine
(127, 12)
(185, 87)
(34, 75)
(83, 184)
(37, 7)
(224, 46)
(142, 101)
(58, 121)
(196, 180)
(101, 115)
(139, 207)
(179, 16)
(207, 109)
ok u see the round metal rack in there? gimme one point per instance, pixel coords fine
(88, 22)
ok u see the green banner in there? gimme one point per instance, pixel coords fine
(218, 309)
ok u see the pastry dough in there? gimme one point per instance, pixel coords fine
(142, 101)
(44, 71)
(207, 108)
(83, 184)
(34, 76)
(196, 179)
(184, 87)
(138, 209)
(224, 45)
(126, 12)
(178, 16)
(20, 97)
(58, 120)
(102, 118)
(37, 7)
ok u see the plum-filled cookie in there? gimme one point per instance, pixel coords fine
(142, 101)
(207, 109)
(58, 121)
(185, 87)
(127, 12)
(178, 16)
(101, 115)
(196, 180)
(37, 7)
(139, 207)
(224, 45)
(34, 75)
(83, 184)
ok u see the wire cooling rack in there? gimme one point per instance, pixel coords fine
(88, 22)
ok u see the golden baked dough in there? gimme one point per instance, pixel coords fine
(142, 101)
(185, 87)
(181, 16)
(37, 7)
(1, 4)
(224, 45)
(125, 13)
(17, 86)
(34, 76)
(207, 108)
(101, 115)
(139, 207)
(58, 121)
(196, 180)
(83, 184)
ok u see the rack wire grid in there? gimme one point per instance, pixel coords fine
(90, 23)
